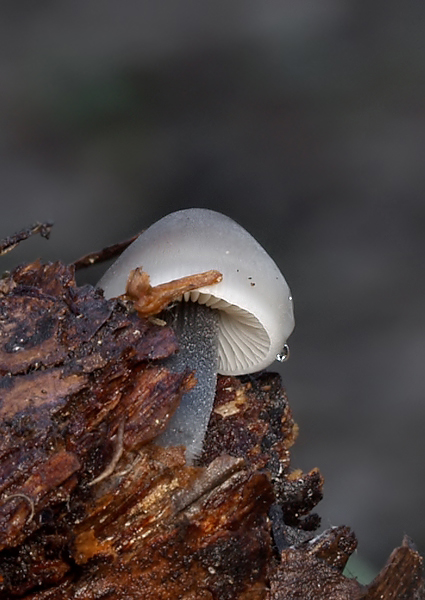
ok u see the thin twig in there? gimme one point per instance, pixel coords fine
(12, 241)
(102, 255)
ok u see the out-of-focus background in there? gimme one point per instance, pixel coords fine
(302, 120)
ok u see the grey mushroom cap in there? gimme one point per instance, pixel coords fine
(253, 299)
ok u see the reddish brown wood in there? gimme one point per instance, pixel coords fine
(91, 508)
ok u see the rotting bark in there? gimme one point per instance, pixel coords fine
(91, 508)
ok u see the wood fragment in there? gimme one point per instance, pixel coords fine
(9, 243)
(100, 256)
(401, 578)
(150, 300)
(304, 576)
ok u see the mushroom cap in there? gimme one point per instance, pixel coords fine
(255, 303)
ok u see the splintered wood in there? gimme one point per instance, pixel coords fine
(91, 508)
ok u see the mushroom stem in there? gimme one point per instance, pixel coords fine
(196, 327)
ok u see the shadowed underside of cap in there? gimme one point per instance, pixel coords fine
(243, 343)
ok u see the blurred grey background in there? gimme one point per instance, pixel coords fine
(302, 120)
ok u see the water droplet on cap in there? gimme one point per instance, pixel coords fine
(284, 355)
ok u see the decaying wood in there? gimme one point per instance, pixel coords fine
(91, 508)
(401, 577)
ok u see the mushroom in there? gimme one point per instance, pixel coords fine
(237, 326)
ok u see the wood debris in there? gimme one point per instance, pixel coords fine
(100, 256)
(148, 300)
(12, 241)
(91, 508)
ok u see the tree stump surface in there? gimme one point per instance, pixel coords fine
(91, 508)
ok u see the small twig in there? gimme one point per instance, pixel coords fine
(11, 242)
(119, 446)
(150, 300)
(102, 255)
(28, 499)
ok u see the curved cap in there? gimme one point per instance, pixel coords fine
(255, 303)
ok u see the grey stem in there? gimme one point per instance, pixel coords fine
(196, 326)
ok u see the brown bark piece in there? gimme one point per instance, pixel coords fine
(334, 546)
(252, 420)
(305, 577)
(401, 578)
(72, 368)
